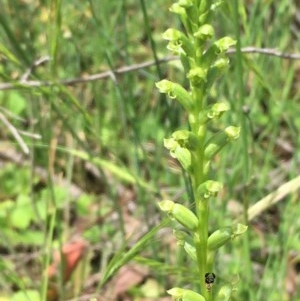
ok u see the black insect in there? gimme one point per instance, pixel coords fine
(209, 280)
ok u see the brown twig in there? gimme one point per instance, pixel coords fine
(268, 51)
(15, 133)
(24, 83)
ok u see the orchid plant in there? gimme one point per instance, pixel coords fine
(204, 60)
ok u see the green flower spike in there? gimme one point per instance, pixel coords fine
(204, 59)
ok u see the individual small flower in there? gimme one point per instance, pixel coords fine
(197, 76)
(176, 91)
(209, 189)
(178, 9)
(232, 132)
(178, 41)
(186, 139)
(224, 44)
(205, 32)
(217, 110)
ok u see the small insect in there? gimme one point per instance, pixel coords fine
(209, 280)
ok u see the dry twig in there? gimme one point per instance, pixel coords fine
(15, 133)
(24, 83)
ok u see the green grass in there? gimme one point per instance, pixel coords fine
(106, 139)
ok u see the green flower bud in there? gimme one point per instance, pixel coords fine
(180, 236)
(221, 236)
(185, 294)
(204, 11)
(217, 110)
(232, 133)
(176, 48)
(217, 69)
(218, 141)
(221, 63)
(224, 44)
(197, 76)
(204, 6)
(176, 292)
(204, 17)
(186, 3)
(186, 241)
(172, 34)
(166, 205)
(190, 250)
(178, 9)
(180, 213)
(183, 155)
(183, 9)
(224, 293)
(175, 91)
(186, 139)
(214, 112)
(215, 5)
(178, 38)
(190, 295)
(205, 32)
(209, 189)
(214, 58)
(171, 144)
(185, 217)
(239, 230)
(212, 148)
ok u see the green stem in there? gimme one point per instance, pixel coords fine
(200, 237)
(48, 243)
(198, 177)
(209, 296)
(201, 242)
